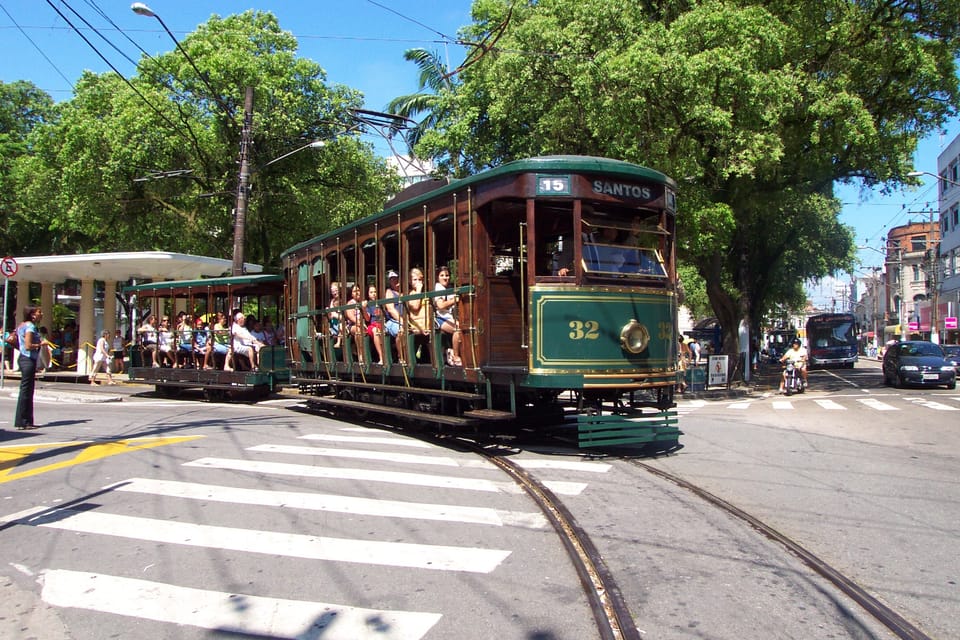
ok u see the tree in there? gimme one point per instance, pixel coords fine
(757, 108)
(152, 163)
(435, 76)
(23, 107)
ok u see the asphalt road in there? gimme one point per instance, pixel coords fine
(170, 519)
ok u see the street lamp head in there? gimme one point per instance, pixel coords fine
(141, 9)
(916, 174)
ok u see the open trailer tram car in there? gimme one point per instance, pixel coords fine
(260, 296)
(565, 273)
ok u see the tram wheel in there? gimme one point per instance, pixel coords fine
(357, 414)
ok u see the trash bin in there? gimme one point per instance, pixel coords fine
(696, 378)
(134, 354)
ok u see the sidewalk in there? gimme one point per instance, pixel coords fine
(77, 392)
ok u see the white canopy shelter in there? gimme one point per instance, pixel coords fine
(111, 269)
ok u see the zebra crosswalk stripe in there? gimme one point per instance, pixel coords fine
(294, 545)
(830, 405)
(229, 613)
(379, 475)
(357, 454)
(332, 503)
(877, 405)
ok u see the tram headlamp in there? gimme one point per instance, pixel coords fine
(634, 337)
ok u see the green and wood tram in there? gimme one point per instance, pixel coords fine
(261, 296)
(565, 272)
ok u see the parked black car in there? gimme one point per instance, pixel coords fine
(917, 362)
(952, 352)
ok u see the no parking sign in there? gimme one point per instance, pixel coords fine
(8, 267)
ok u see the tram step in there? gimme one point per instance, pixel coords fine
(446, 393)
(394, 411)
(489, 414)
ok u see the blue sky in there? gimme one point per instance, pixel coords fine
(360, 43)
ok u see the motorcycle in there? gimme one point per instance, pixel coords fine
(794, 380)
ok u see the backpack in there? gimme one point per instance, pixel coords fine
(13, 339)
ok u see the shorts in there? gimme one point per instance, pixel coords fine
(392, 327)
(372, 327)
(439, 322)
(219, 347)
(118, 355)
(243, 350)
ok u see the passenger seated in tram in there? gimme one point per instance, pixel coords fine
(166, 350)
(373, 317)
(353, 319)
(147, 332)
(445, 316)
(202, 345)
(417, 312)
(269, 332)
(221, 341)
(244, 344)
(393, 313)
(334, 317)
(184, 339)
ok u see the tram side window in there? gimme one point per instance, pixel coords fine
(503, 228)
(317, 273)
(554, 233)
(444, 255)
(415, 250)
(622, 246)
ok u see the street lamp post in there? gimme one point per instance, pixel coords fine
(142, 9)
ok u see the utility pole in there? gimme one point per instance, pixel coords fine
(933, 248)
(243, 188)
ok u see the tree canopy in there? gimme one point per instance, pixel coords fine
(151, 162)
(23, 107)
(756, 108)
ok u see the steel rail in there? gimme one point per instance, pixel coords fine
(610, 611)
(899, 625)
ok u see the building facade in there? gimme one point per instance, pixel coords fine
(909, 285)
(945, 306)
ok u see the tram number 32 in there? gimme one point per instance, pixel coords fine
(587, 330)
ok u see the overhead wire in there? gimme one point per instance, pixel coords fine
(115, 70)
(37, 47)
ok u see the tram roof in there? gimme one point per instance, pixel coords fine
(244, 281)
(121, 266)
(541, 164)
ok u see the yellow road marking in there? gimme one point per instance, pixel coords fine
(15, 456)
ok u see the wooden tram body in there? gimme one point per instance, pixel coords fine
(261, 293)
(587, 348)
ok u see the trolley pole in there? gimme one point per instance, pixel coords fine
(243, 188)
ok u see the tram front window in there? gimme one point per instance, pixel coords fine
(620, 248)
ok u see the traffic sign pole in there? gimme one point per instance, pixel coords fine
(8, 267)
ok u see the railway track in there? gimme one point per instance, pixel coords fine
(611, 612)
(896, 623)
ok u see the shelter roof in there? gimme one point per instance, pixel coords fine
(119, 267)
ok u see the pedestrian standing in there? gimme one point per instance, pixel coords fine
(694, 347)
(29, 338)
(101, 359)
(117, 349)
(683, 356)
